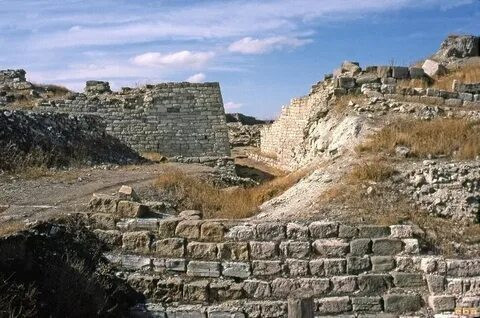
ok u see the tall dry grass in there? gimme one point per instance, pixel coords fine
(194, 193)
(467, 74)
(455, 138)
(370, 171)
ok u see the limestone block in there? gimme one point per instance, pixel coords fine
(335, 266)
(225, 314)
(344, 284)
(136, 241)
(373, 231)
(401, 231)
(358, 264)
(189, 229)
(271, 231)
(235, 251)
(257, 289)
(203, 269)
(466, 97)
(196, 291)
(295, 249)
(266, 268)
(416, 73)
(436, 284)
(382, 263)
(367, 304)
(454, 102)
(463, 268)
(346, 231)
(334, 305)
(102, 221)
(297, 267)
(263, 250)
(274, 309)
(407, 280)
(236, 269)
(400, 72)
(441, 303)
(411, 246)
(367, 78)
(136, 262)
(171, 247)
(212, 231)
(374, 283)
(315, 287)
(103, 203)
(331, 247)
(109, 237)
(432, 68)
(190, 215)
(166, 227)
(402, 303)
(317, 267)
(296, 231)
(282, 287)
(199, 250)
(127, 193)
(323, 229)
(386, 246)
(130, 209)
(242, 233)
(360, 247)
(345, 82)
(225, 290)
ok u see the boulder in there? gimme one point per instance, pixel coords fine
(433, 68)
(459, 46)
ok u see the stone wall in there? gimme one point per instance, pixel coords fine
(174, 119)
(221, 268)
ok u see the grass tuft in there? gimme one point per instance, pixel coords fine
(370, 171)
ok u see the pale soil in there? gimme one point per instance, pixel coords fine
(69, 191)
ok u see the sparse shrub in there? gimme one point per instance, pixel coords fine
(190, 192)
(371, 171)
(456, 138)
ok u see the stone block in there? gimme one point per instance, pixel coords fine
(411, 246)
(441, 303)
(400, 72)
(271, 231)
(109, 237)
(345, 82)
(196, 291)
(367, 304)
(373, 231)
(103, 203)
(331, 248)
(166, 227)
(334, 305)
(433, 68)
(170, 247)
(343, 284)
(242, 233)
(176, 265)
(263, 250)
(190, 215)
(382, 263)
(374, 283)
(189, 229)
(314, 287)
(136, 241)
(436, 284)
(384, 71)
(335, 266)
(346, 231)
(203, 269)
(226, 314)
(257, 289)
(360, 247)
(169, 290)
(401, 231)
(295, 249)
(432, 100)
(386, 246)
(297, 267)
(466, 97)
(407, 280)
(235, 251)
(127, 193)
(296, 231)
(416, 73)
(454, 102)
(225, 290)
(200, 250)
(274, 309)
(136, 262)
(267, 268)
(102, 221)
(147, 224)
(212, 231)
(358, 264)
(463, 268)
(236, 269)
(402, 303)
(323, 229)
(317, 267)
(130, 209)
(366, 79)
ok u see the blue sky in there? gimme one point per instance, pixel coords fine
(263, 53)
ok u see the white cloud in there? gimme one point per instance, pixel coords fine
(232, 105)
(250, 45)
(177, 59)
(197, 78)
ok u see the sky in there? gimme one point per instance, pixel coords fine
(262, 52)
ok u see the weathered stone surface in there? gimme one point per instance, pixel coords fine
(373, 231)
(236, 269)
(441, 303)
(358, 264)
(196, 291)
(317, 267)
(271, 231)
(235, 251)
(408, 279)
(136, 241)
(203, 269)
(190, 215)
(166, 227)
(382, 263)
(323, 229)
(374, 283)
(296, 231)
(343, 284)
(176, 265)
(171, 247)
(169, 290)
(345, 82)
(400, 72)
(225, 290)
(331, 247)
(199, 250)
(361, 247)
(416, 73)
(386, 246)
(436, 284)
(266, 268)
(136, 262)
(212, 231)
(131, 209)
(257, 288)
(295, 249)
(334, 305)
(102, 221)
(189, 229)
(367, 78)
(346, 231)
(402, 303)
(384, 71)
(109, 237)
(463, 267)
(432, 68)
(127, 193)
(411, 246)
(225, 314)
(103, 203)
(367, 304)
(263, 250)
(401, 231)
(297, 267)
(242, 233)
(335, 266)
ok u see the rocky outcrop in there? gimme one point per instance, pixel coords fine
(457, 47)
(244, 130)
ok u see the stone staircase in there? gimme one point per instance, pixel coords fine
(189, 267)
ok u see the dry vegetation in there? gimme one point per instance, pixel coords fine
(340, 105)
(371, 171)
(455, 138)
(466, 74)
(194, 193)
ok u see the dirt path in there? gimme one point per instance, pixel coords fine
(69, 191)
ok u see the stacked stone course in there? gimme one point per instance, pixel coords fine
(224, 268)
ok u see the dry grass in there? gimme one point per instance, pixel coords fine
(11, 227)
(154, 156)
(467, 74)
(233, 203)
(340, 104)
(455, 138)
(413, 83)
(370, 171)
